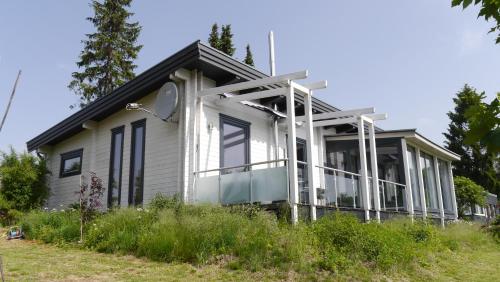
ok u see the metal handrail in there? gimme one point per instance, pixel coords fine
(390, 182)
(338, 170)
(238, 166)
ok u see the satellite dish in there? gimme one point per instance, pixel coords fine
(166, 100)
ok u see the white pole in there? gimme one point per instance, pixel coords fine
(439, 192)
(421, 183)
(272, 62)
(311, 157)
(406, 166)
(453, 195)
(292, 154)
(364, 175)
(374, 162)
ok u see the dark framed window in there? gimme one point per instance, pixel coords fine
(115, 167)
(234, 143)
(138, 145)
(71, 163)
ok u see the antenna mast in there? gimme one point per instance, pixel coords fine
(272, 63)
(10, 100)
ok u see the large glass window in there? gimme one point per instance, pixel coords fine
(415, 186)
(136, 182)
(302, 171)
(431, 196)
(115, 167)
(234, 143)
(444, 179)
(71, 163)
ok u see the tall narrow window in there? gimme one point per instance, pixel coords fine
(136, 181)
(415, 186)
(234, 143)
(431, 197)
(115, 167)
(302, 171)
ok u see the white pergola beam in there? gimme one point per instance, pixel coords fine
(299, 88)
(376, 116)
(253, 83)
(335, 121)
(254, 95)
(339, 114)
(316, 85)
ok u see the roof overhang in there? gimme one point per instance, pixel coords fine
(213, 63)
(411, 136)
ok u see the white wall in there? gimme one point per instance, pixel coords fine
(161, 156)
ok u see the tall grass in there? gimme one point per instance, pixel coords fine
(252, 239)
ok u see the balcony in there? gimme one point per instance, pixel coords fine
(244, 184)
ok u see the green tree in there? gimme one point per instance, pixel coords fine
(226, 40)
(213, 38)
(468, 194)
(249, 57)
(490, 9)
(475, 163)
(108, 54)
(23, 180)
(484, 125)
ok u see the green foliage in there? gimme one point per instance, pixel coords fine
(490, 10)
(494, 228)
(226, 40)
(108, 54)
(475, 162)
(213, 38)
(248, 238)
(468, 194)
(51, 227)
(23, 180)
(484, 125)
(249, 57)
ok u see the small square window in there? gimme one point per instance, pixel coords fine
(71, 163)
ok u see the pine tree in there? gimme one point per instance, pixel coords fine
(108, 54)
(249, 57)
(226, 40)
(475, 163)
(213, 38)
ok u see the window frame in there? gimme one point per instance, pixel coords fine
(68, 156)
(114, 132)
(135, 125)
(225, 119)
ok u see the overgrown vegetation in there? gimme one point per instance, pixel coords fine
(23, 180)
(250, 239)
(468, 194)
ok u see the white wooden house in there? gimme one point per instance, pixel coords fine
(241, 136)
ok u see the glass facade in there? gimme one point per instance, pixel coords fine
(444, 178)
(429, 177)
(415, 185)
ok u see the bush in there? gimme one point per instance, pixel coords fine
(468, 194)
(23, 180)
(51, 227)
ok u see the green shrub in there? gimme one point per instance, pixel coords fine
(23, 180)
(51, 227)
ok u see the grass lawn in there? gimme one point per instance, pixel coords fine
(31, 261)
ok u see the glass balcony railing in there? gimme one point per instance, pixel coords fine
(250, 184)
(342, 189)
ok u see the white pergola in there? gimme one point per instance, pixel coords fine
(288, 88)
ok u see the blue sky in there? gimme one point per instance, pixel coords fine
(405, 58)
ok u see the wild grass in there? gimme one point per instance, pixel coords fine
(246, 238)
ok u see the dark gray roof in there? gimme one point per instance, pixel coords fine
(214, 64)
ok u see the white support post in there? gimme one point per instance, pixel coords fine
(311, 166)
(453, 196)
(406, 166)
(364, 175)
(421, 183)
(374, 162)
(191, 148)
(292, 154)
(439, 191)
